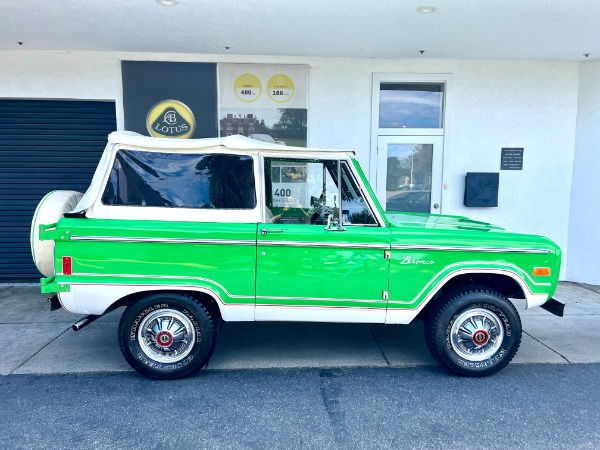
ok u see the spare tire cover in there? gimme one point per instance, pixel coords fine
(49, 210)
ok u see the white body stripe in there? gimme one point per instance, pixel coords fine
(87, 298)
(322, 244)
(509, 271)
(404, 316)
(316, 314)
(468, 249)
(163, 240)
(451, 275)
(158, 277)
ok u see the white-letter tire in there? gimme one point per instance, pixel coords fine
(49, 210)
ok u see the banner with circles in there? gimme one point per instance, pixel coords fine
(267, 102)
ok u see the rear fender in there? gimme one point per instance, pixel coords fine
(96, 299)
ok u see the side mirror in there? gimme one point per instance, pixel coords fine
(333, 225)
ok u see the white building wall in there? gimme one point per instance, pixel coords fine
(62, 75)
(584, 227)
(490, 105)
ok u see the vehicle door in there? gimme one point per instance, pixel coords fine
(321, 249)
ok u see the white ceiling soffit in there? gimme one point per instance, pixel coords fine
(465, 29)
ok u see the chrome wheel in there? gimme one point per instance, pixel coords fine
(476, 334)
(166, 336)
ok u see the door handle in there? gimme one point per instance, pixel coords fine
(436, 206)
(264, 231)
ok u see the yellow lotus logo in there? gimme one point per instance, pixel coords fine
(171, 119)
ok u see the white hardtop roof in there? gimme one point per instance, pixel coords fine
(235, 142)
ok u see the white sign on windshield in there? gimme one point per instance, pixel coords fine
(289, 184)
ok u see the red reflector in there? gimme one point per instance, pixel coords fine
(67, 265)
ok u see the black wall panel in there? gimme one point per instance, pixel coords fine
(146, 83)
(481, 189)
(45, 145)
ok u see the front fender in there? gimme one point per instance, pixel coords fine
(403, 311)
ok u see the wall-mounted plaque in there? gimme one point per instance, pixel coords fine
(511, 159)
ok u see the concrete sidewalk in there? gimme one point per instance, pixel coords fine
(42, 342)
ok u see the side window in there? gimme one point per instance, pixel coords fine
(179, 180)
(354, 208)
(301, 191)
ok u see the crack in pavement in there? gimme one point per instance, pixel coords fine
(379, 346)
(548, 347)
(37, 353)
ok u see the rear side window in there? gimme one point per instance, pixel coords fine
(174, 180)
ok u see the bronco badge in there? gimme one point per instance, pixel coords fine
(409, 260)
(170, 118)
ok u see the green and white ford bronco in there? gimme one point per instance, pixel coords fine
(185, 233)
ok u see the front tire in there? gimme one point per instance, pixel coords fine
(167, 336)
(475, 332)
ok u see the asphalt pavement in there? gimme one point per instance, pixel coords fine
(42, 341)
(525, 406)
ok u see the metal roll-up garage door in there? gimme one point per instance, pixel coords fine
(45, 145)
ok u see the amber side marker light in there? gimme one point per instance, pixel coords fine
(541, 271)
(67, 264)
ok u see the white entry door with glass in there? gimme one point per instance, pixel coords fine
(408, 139)
(409, 173)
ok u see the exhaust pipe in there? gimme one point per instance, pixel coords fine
(84, 322)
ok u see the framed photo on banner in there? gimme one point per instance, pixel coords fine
(267, 102)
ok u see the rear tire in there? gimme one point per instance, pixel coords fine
(167, 336)
(475, 332)
(50, 209)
